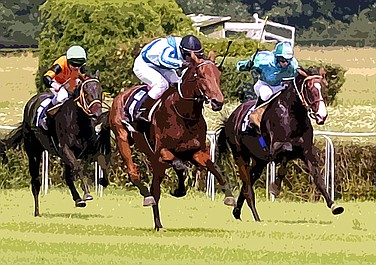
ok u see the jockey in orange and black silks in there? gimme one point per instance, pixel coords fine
(66, 73)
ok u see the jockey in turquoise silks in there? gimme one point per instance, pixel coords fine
(273, 67)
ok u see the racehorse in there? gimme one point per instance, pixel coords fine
(285, 133)
(71, 135)
(177, 131)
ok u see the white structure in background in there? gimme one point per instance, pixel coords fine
(211, 26)
(220, 27)
(274, 32)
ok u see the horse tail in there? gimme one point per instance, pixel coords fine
(12, 140)
(222, 146)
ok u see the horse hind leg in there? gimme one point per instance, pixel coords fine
(236, 212)
(204, 160)
(68, 175)
(245, 173)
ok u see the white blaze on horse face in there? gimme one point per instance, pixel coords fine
(321, 112)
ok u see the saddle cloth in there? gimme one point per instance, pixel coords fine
(131, 106)
(254, 113)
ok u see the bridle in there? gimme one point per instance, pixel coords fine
(202, 97)
(307, 103)
(81, 100)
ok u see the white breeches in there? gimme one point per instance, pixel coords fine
(59, 96)
(157, 78)
(265, 91)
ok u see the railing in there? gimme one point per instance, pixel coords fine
(210, 185)
(270, 172)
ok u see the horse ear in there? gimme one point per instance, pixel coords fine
(302, 72)
(212, 56)
(322, 72)
(97, 74)
(194, 57)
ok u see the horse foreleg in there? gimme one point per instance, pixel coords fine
(73, 169)
(203, 159)
(311, 161)
(276, 186)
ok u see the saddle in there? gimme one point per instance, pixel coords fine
(255, 113)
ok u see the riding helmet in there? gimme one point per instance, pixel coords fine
(191, 43)
(76, 56)
(285, 50)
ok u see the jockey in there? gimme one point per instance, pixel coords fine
(156, 65)
(62, 78)
(65, 74)
(272, 67)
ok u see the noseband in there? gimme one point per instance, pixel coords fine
(81, 100)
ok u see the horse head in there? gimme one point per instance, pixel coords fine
(202, 78)
(309, 89)
(90, 96)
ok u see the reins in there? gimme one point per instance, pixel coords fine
(81, 101)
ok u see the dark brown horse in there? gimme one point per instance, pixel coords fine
(286, 132)
(71, 135)
(177, 131)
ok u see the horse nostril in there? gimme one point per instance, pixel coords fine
(216, 105)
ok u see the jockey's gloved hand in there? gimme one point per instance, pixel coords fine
(185, 64)
(249, 65)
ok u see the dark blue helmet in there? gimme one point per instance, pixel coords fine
(191, 43)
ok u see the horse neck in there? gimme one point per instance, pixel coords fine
(188, 109)
(76, 114)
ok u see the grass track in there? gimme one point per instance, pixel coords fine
(116, 229)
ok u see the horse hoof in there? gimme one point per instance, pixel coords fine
(160, 229)
(149, 201)
(337, 209)
(229, 201)
(274, 189)
(178, 193)
(236, 213)
(87, 197)
(104, 182)
(80, 203)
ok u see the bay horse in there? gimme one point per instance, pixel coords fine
(286, 132)
(71, 135)
(177, 131)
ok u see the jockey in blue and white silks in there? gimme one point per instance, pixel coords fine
(156, 65)
(272, 67)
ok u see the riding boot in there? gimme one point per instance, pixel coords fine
(43, 116)
(142, 113)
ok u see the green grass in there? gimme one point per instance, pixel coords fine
(116, 229)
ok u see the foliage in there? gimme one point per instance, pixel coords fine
(111, 32)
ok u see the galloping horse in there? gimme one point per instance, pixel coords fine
(286, 132)
(71, 135)
(177, 131)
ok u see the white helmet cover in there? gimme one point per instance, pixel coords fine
(76, 52)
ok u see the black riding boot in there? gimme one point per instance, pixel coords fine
(145, 105)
